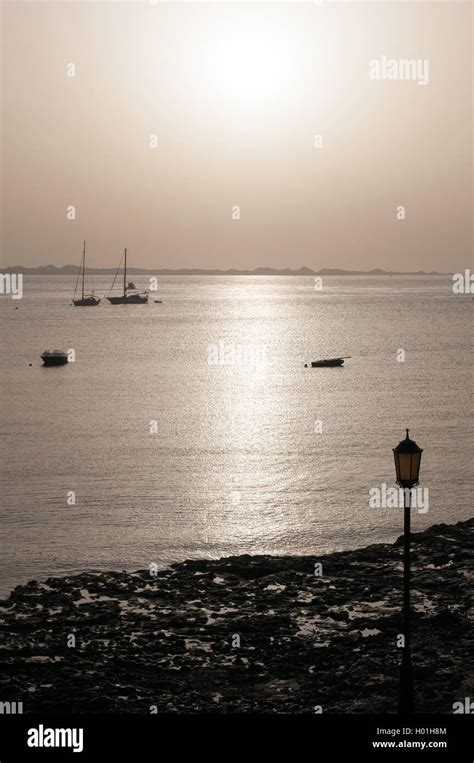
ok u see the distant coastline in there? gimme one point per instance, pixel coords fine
(72, 270)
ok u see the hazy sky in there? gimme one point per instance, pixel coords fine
(236, 93)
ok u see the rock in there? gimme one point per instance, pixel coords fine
(300, 637)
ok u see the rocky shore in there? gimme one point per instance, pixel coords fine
(246, 634)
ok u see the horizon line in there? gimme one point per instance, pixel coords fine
(261, 270)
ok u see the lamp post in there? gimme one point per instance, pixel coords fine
(407, 456)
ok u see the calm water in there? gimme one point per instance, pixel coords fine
(236, 465)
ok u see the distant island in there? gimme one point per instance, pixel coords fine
(72, 270)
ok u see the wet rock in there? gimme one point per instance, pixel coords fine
(170, 640)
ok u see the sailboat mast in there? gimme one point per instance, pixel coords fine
(83, 267)
(125, 275)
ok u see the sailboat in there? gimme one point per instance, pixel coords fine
(128, 297)
(86, 300)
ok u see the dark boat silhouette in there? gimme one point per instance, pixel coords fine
(54, 358)
(329, 362)
(128, 297)
(86, 300)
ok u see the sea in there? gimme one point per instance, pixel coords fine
(192, 428)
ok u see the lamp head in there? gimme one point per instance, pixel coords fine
(407, 457)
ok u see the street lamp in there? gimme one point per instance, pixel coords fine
(407, 456)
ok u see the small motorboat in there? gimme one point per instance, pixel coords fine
(329, 362)
(54, 358)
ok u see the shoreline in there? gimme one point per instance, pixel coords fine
(257, 634)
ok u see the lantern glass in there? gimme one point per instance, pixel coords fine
(407, 462)
(408, 467)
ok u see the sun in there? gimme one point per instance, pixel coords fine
(246, 68)
(248, 64)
